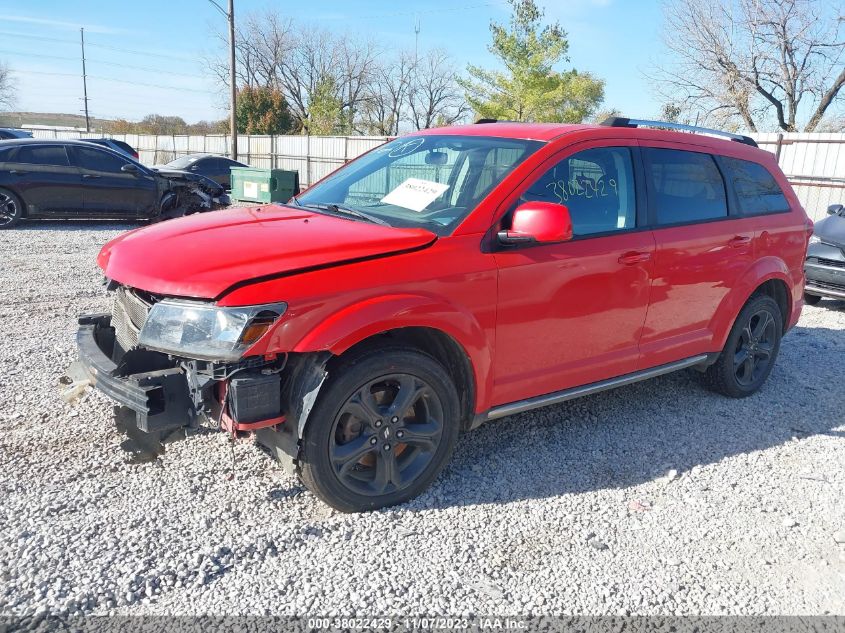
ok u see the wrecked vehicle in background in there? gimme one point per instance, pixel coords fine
(825, 265)
(50, 179)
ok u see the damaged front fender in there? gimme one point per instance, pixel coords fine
(304, 377)
(190, 193)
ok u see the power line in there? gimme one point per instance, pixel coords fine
(121, 81)
(44, 38)
(97, 61)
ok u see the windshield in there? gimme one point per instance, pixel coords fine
(432, 182)
(182, 162)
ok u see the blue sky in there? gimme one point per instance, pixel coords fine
(145, 57)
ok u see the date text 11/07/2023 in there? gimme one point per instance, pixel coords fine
(419, 623)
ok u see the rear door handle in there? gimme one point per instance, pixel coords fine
(18, 172)
(90, 176)
(739, 241)
(634, 257)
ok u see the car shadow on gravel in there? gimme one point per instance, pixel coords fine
(635, 434)
(78, 225)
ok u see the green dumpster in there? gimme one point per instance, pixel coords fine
(264, 185)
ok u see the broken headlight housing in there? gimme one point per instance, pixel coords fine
(201, 330)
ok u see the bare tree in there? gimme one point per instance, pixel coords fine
(755, 61)
(385, 104)
(434, 97)
(300, 61)
(7, 88)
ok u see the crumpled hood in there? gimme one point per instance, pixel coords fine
(189, 176)
(831, 229)
(205, 254)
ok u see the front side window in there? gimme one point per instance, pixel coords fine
(756, 189)
(596, 185)
(96, 160)
(688, 186)
(432, 182)
(42, 155)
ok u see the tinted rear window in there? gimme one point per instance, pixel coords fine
(42, 155)
(756, 189)
(687, 186)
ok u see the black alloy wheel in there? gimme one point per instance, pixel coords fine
(753, 352)
(750, 351)
(11, 209)
(384, 425)
(386, 434)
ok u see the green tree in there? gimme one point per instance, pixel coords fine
(263, 110)
(325, 109)
(530, 88)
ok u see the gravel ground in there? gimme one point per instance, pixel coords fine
(658, 498)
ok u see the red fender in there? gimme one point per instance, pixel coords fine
(758, 273)
(359, 321)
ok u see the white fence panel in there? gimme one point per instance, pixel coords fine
(813, 162)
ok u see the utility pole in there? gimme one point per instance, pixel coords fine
(85, 80)
(416, 38)
(233, 95)
(233, 122)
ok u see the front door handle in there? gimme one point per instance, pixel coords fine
(634, 257)
(90, 176)
(18, 172)
(739, 241)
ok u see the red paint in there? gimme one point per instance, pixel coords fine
(545, 222)
(204, 254)
(531, 320)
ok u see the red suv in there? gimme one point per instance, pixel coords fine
(448, 278)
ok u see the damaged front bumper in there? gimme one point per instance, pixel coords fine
(159, 395)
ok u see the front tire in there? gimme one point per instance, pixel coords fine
(383, 428)
(750, 351)
(811, 300)
(11, 209)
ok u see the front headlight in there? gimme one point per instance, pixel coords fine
(815, 239)
(202, 330)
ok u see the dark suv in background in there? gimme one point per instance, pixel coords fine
(78, 179)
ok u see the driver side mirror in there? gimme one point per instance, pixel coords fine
(538, 223)
(835, 209)
(130, 168)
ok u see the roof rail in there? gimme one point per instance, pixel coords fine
(618, 121)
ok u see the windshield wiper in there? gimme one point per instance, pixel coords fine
(342, 210)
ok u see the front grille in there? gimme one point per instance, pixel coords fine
(834, 263)
(128, 316)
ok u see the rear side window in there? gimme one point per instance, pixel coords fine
(688, 186)
(42, 155)
(96, 160)
(756, 189)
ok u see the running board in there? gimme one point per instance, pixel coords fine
(585, 390)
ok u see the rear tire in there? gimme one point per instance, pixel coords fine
(384, 426)
(11, 209)
(811, 300)
(750, 351)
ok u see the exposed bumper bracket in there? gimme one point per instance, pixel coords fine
(160, 399)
